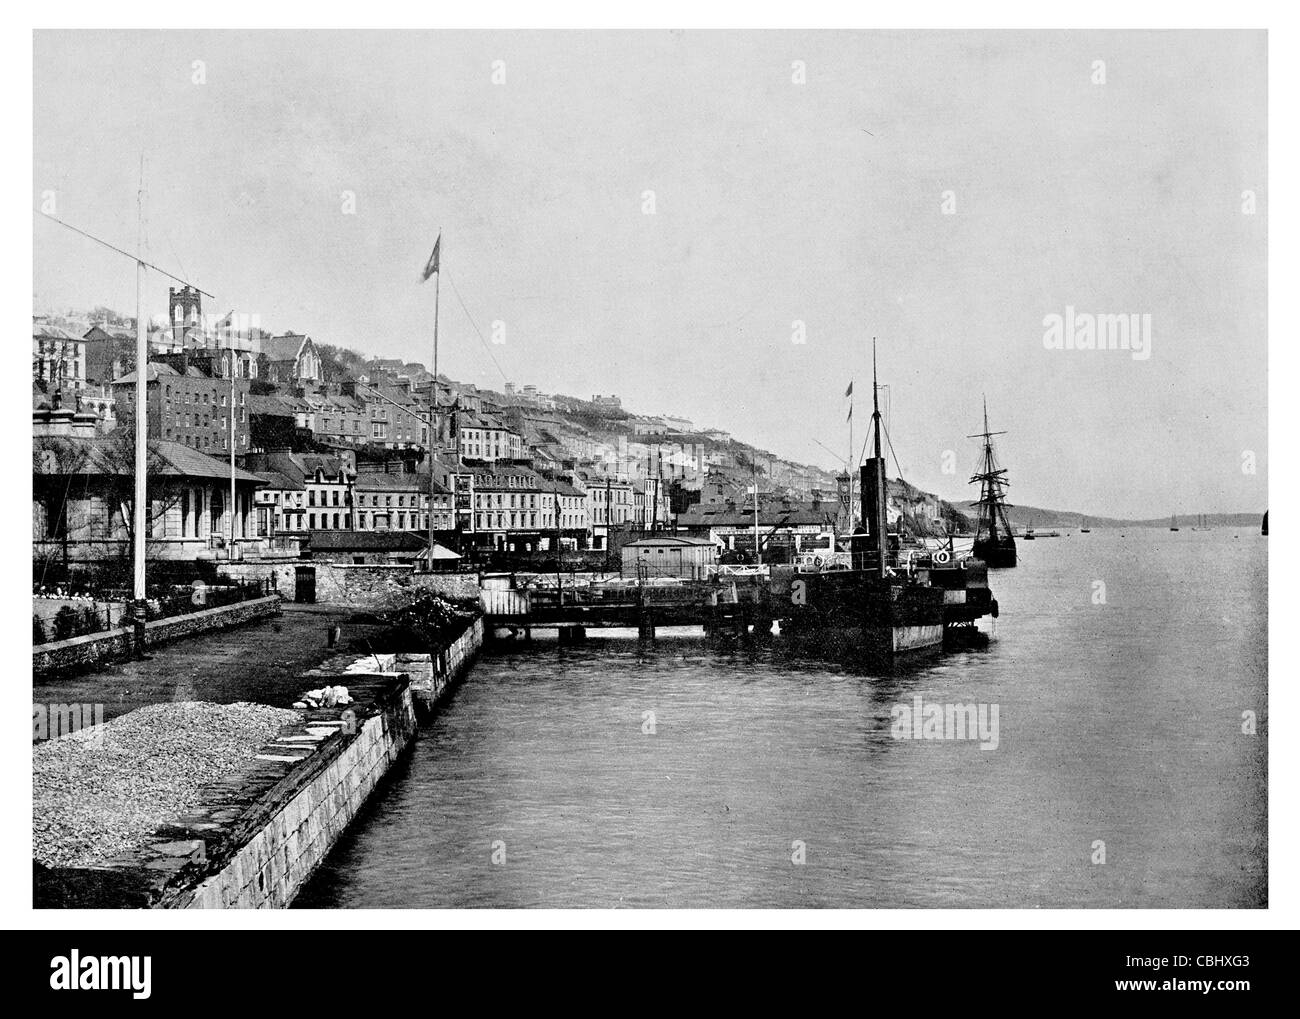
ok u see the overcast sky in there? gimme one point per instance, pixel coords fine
(774, 202)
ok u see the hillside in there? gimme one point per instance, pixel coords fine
(1034, 516)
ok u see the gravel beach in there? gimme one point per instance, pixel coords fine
(95, 795)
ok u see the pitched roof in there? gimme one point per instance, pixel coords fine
(50, 332)
(378, 481)
(668, 539)
(283, 348)
(280, 481)
(108, 456)
(366, 541)
(193, 463)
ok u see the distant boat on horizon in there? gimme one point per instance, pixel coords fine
(1173, 522)
(1084, 528)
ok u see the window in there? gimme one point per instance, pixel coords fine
(311, 520)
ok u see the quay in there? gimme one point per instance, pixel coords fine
(252, 837)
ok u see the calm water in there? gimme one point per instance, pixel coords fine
(1118, 722)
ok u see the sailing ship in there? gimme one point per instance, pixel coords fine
(1084, 528)
(994, 542)
(890, 600)
(1173, 522)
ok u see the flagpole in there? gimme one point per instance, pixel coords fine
(850, 466)
(433, 410)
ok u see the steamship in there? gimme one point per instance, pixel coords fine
(891, 600)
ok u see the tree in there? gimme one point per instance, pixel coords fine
(67, 472)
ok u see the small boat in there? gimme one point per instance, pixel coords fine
(1029, 534)
(1085, 529)
(1173, 522)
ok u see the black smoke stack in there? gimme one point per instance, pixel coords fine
(869, 477)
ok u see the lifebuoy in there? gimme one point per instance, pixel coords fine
(817, 561)
(943, 557)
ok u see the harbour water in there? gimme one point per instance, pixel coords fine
(1119, 722)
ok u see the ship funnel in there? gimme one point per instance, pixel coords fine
(869, 479)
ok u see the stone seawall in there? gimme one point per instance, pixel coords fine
(260, 833)
(432, 676)
(110, 645)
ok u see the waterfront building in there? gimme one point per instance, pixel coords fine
(785, 527)
(669, 555)
(610, 503)
(83, 500)
(400, 501)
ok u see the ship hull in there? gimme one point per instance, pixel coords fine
(996, 554)
(863, 616)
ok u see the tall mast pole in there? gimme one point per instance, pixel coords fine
(433, 409)
(141, 400)
(850, 468)
(882, 516)
(233, 504)
(758, 551)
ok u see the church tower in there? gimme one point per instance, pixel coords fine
(185, 306)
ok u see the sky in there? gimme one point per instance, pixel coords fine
(944, 193)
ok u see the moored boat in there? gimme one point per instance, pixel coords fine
(890, 600)
(994, 543)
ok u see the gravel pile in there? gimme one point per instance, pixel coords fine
(95, 795)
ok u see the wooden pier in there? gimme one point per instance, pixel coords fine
(733, 605)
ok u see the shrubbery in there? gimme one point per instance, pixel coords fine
(429, 621)
(68, 622)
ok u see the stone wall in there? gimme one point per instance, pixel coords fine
(432, 676)
(370, 586)
(270, 868)
(111, 645)
(259, 833)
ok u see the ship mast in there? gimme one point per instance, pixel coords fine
(882, 516)
(991, 483)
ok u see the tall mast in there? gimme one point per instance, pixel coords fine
(850, 466)
(433, 409)
(991, 482)
(141, 401)
(882, 516)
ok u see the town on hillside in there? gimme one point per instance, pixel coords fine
(347, 458)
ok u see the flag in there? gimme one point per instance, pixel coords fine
(847, 392)
(432, 265)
